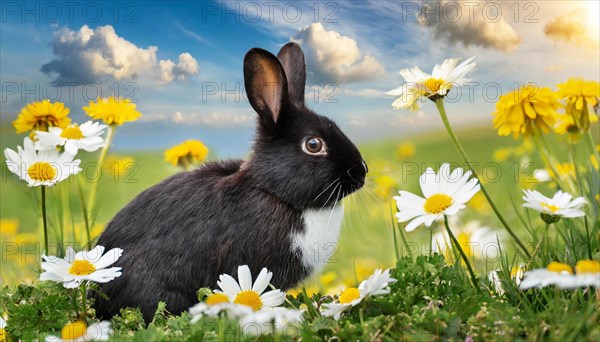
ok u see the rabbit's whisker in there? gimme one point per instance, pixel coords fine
(322, 192)
(331, 194)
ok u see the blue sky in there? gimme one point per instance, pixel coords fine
(175, 58)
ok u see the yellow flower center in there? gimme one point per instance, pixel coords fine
(348, 295)
(587, 266)
(3, 335)
(437, 203)
(249, 298)
(82, 267)
(434, 84)
(41, 171)
(73, 331)
(559, 267)
(216, 298)
(551, 207)
(72, 132)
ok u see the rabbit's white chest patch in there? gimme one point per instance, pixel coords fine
(319, 240)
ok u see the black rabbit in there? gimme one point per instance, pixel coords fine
(279, 209)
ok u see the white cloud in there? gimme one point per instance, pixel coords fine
(574, 27)
(335, 58)
(211, 119)
(470, 23)
(92, 55)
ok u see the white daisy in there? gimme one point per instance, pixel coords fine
(516, 274)
(218, 303)
(476, 241)
(445, 194)
(419, 84)
(79, 331)
(81, 266)
(249, 294)
(87, 137)
(542, 175)
(587, 273)
(37, 168)
(560, 205)
(262, 322)
(377, 284)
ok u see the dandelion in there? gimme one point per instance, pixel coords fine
(384, 186)
(40, 168)
(437, 84)
(377, 284)
(244, 292)
(445, 194)
(8, 227)
(479, 203)
(82, 266)
(265, 321)
(87, 137)
(502, 154)
(112, 110)
(119, 166)
(218, 303)
(478, 242)
(405, 150)
(587, 274)
(39, 116)
(186, 153)
(579, 95)
(552, 209)
(526, 110)
(79, 331)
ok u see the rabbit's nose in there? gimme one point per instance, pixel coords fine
(358, 172)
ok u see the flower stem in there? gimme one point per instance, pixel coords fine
(44, 221)
(542, 242)
(439, 102)
(109, 138)
(84, 210)
(462, 253)
(589, 139)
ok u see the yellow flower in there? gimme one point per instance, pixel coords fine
(579, 96)
(525, 110)
(119, 166)
(186, 153)
(8, 227)
(385, 185)
(479, 203)
(502, 154)
(26, 238)
(38, 116)
(525, 148)
(405, 150)
(113, 111)
(326, 279)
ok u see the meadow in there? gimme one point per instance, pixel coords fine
(367, 229)
(514, 266)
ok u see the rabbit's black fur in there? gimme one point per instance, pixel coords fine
(181, 234)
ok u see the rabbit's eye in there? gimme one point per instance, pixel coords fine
(314, 145)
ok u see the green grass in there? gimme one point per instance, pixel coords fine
(432, 299)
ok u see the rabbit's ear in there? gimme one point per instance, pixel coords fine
(292, 60)
(266, 85)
